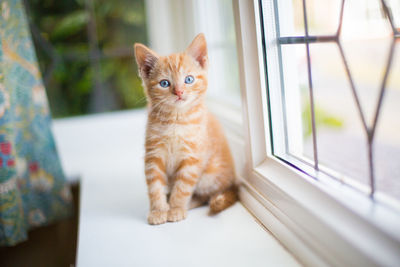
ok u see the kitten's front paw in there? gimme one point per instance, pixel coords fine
(157, 217)
(176, 214)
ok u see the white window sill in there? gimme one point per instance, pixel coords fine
(107, 152)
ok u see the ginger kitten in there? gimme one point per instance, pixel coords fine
(187, 161)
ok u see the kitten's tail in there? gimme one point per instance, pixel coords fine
(224, 199)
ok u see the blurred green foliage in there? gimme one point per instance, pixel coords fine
(322, 118)
(64, 25)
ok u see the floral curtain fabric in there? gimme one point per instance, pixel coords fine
(33, 190)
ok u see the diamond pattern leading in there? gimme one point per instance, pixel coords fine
(369, 130)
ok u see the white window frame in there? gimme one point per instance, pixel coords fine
(321, 222)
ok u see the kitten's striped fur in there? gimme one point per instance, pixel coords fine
(187, 161)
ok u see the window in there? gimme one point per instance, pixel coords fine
(333, 109)
(288, 184)
(215, 19)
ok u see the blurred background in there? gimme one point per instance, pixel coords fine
(85, 48)
(85, 52)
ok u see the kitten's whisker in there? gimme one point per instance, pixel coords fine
(140, 101)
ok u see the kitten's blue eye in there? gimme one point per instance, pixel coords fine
(164, 83)
(189, 79)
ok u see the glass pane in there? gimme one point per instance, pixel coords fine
(323, 16)
(387, 140)
(366, 38)
(341, 139)
(223, 75)
(296, 100)
(344, 72)
(394, 9)
(215, 20)
(290, 14)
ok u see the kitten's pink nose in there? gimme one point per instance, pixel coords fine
(179, 93)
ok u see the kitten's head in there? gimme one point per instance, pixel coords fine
(177, 80)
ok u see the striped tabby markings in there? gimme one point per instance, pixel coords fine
(185, 181)
(156, 179)
(182, 137)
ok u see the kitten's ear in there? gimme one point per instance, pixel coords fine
(198, 50)
(145, 58)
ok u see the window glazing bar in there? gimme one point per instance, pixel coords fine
(307, 39)
(310, 86)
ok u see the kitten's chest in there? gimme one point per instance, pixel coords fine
(176, 140)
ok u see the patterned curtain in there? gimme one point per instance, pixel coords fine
(33, 190)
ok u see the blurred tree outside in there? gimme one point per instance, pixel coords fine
(85, 53)
(323, 118)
